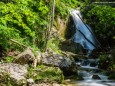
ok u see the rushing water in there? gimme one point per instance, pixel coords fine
(84, 34)
(91, 74)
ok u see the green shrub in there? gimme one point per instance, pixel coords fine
(101, 18)
(105, 62)
(63, 6)
(25, 20)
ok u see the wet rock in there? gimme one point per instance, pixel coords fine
(96, 77)
(85, 63)
(25, 57)
(15, 72)
(93, 64)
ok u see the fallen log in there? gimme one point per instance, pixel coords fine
(12, 40)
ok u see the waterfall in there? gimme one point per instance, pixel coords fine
(84, 34)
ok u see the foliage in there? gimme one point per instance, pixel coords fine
(103, 57)
(105, 61)
(104, 0)
(5, 34)
(45, 73)
(99, 16)
(112, 76)
(8, 59)
(27, 19)
(54, 44)
(6, 80)
(63, 6)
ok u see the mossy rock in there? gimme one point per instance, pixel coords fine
(6, 80)
(12, 74)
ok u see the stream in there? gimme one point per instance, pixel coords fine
(91, 75)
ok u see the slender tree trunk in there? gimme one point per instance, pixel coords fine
(49, 28)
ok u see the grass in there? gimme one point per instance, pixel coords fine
(46, 74)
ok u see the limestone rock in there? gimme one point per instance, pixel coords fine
(30, 81)
(61, 26)
(56, 60)
(16, 72)
(25, 57)
(67, 64)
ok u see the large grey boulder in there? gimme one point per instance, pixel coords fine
(56, 60)
(15, 72)
(67, 64)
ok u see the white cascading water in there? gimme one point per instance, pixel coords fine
(84, 34)
(88, 72)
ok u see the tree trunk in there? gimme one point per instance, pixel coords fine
(49, 31)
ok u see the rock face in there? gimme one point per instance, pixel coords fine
(15, 71)
(25, 57)
(61, 26)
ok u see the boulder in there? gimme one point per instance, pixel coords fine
(56, 60)
(96, 77)
(15, 72)
(25, 57)
(93, 64)
(67, 64)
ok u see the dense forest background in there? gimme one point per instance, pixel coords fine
(45, 26)
(28, 21)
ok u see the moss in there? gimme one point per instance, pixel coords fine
(45, 74)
